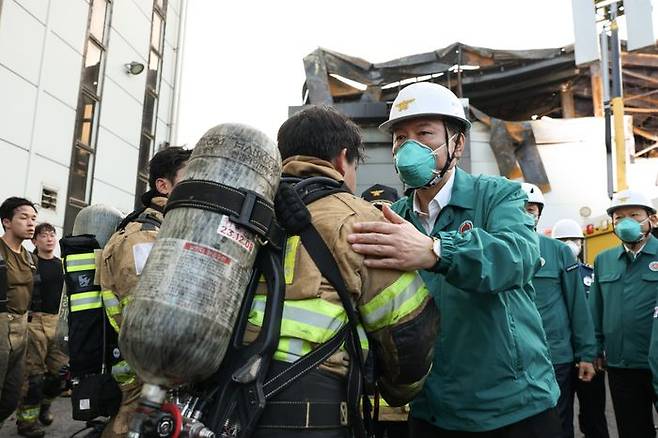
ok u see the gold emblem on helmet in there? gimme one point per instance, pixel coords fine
(404, 105)
(376, 192)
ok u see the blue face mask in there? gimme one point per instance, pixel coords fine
(629, 230)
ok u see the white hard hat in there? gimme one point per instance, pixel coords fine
(535, 195)
(567, 229)
(630, 198)
(425, 99)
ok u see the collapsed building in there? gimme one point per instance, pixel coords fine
(518, 100)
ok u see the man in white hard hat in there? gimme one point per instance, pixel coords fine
(561, 301)
(478, 251)
(591, 395)
(623, 298)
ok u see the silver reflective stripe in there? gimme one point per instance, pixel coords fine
(295, 348)
(304, 316)
(395, 303)
(82, 301)
(89, 261)
(110, 301)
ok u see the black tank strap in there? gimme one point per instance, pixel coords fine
(244, 207)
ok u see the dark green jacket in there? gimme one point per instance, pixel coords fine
(491, 363)
(623, 298)
(562, 304)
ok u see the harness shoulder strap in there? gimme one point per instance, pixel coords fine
(292, 212)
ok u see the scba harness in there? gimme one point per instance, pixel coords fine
(93, 344)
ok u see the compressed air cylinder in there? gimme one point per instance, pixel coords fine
(100, 220)
(178, 325)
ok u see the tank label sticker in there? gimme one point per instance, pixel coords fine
(208, 252)
(141, 252)
(231, 231)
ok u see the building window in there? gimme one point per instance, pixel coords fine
(86, 123)
(150, 111)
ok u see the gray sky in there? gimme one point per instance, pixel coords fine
(243, 59)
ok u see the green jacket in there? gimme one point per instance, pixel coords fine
(623, 298)
(562, 304)
(491, 364)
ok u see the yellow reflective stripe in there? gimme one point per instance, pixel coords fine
(304, 323)
(27, 414)
(123, 373)
(111, 302)
(85, 256)
(395, 302)
(314, 320)
(126, 300)
(291, 349)
(292, 244)
(80, 262)
(85, 301)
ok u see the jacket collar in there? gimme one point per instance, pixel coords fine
(462, 192)
(305, 166)
(650, 247)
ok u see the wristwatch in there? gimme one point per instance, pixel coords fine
(436, 248)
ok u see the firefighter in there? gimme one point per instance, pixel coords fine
(623, 297)
(561, 302)
(591, 395)
(492, 374)
(17, 268)
(44, 359)
(394, 307)
(123, 259)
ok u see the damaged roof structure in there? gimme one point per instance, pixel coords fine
(505, 88)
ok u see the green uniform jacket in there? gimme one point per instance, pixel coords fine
(623, 298)
(562, 304)
(491, 364)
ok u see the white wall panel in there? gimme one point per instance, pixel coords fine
(106, 194)
(53, 133)
(69, 21)
(13, 178)
(172, 26)
(62, 69)
(164, 105)
(128, 20)
(116, 161)
(119, 54)
(161, 134)
(17, 25)
(145, 6)
(174, 4)
(45, 173)
(169, 64)
(38, 8)
(121, 114)
(16, 119)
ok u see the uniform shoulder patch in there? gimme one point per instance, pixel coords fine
(654, 266)
(572, 267)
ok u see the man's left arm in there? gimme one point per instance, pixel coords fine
(500, 256)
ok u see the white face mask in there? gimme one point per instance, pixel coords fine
(575, 246)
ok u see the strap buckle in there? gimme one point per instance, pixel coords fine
(343, 414)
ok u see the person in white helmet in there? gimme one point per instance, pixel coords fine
(623, 297)
(477, 249)
(561, 301)
(591, 395)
